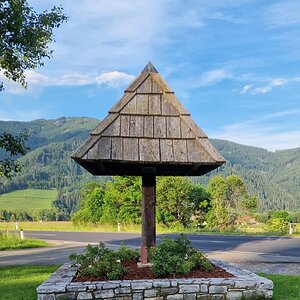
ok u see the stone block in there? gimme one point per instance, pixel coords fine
(250, 294)
(168, 291)
(137, 296)
(54, 288)
(174, 283)
(104, 294)
(122, 290)
(204, 288)
(269, 294)
(91, 287)
(161, 283)
(217, 289)
(217, 297)
(125, 284)
(175, 297)
(189, 288)
(189, 297)
(141, 285)
(110, 285)
(267, 284)
(235, 295)
(151, 293)
(65, 296)
(84, 295)
(244, 284)
(76, 288)
(203, 297)
(46, 297)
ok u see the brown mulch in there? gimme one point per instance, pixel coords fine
(135, 273)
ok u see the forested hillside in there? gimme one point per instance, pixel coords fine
(274, 177)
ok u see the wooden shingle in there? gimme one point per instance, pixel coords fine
(148, 130)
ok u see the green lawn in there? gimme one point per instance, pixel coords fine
(27, 200)
(12, 241)
(20, 283)
(286, 287)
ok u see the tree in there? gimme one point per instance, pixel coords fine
(13, 146)
(229, 199)
(24, 44)
(24, 37)
(119, 200)
(178, 201)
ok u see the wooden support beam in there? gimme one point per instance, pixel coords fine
(148, 215)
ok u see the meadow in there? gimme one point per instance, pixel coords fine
(27, 200)
(9, 241)
(135, 228)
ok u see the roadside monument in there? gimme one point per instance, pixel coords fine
(148, 133)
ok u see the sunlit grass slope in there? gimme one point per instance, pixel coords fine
(27, 200)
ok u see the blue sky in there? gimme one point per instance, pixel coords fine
(235, 65)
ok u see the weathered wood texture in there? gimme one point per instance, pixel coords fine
(148, 210)
(149, 125)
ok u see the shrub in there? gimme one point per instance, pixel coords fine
(101, 261)
(178, 256)
(278, 225)
(125, 253)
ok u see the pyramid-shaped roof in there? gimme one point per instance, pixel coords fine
(148, 131)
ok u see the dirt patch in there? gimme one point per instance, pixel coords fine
(135, 273)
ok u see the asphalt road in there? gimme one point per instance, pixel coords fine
(231, 248)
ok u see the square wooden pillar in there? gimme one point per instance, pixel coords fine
(148, 215)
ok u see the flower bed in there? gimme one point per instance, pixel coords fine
(243, 284)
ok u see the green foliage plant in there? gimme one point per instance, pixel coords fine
(229, 199)
(172, 257)
(279, 222)
(13, 146)
(101, 261)
(278, 225)
(25, 36)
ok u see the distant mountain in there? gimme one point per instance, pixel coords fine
(273, 176)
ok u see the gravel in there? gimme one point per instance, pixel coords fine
(272, 268)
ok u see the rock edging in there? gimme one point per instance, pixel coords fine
(244, 284)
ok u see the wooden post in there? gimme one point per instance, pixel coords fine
(148, 215)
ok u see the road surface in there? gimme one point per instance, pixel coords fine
(230, 248)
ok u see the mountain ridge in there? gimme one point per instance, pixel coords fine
(273, 176)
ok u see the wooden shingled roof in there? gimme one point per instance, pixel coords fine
(148, 131)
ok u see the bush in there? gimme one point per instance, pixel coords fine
(278, 225)
(101, 261)
(173, 257)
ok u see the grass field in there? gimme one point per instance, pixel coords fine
(286, 287)
(27, 200)
(12, 241)
(21, 283)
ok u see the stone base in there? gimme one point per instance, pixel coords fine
(141, 265)
(244, 285)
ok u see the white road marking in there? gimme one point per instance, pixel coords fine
(46, 234)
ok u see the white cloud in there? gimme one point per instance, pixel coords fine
(246, 88)
(213, 76)
(266, 88)
(38, 80)
(114, 79)
(262, 132)
(259, 137)
(283, 13)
